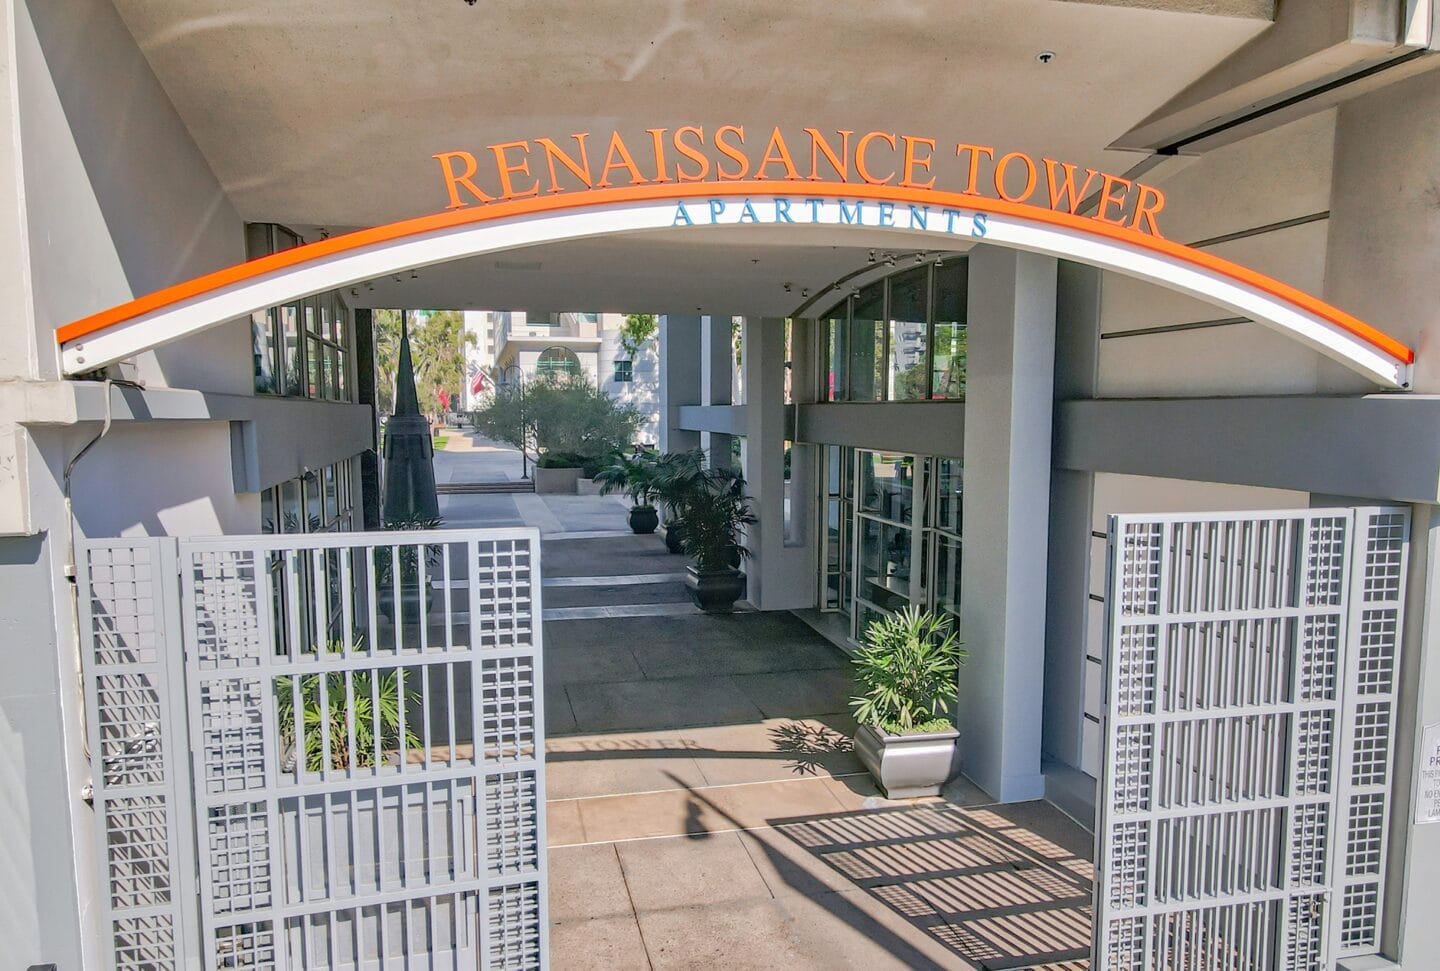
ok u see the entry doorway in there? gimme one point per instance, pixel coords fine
(893, 534)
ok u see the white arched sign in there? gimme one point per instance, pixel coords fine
(875, 211)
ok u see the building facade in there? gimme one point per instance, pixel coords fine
(943, 400)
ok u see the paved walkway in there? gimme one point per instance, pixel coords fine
(705, 808)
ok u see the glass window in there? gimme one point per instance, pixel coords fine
(837, 353)
(624, 371)
(268, 502)
(887, 485)
(266, 351)
(884, 564)
(293, 371)
(867, 345)
(947, 574)
(314, 511)
(315, 387)
(290, 521)
(948, 481)
(332, 498)
(947, 378)
(909, 300)
(556, 361)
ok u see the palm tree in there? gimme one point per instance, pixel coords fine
(385, 328)
(438, 348)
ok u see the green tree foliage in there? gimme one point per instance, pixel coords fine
(907, 673)
(437, 347)
(636, 332)
(565, 418)
(385, 325)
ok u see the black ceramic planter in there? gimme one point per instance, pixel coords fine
(672, 537)
(715, 592)
(643, 519)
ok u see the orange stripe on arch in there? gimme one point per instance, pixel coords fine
(595, 198)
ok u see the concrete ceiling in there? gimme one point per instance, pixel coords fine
(318, 113)
(724, 271)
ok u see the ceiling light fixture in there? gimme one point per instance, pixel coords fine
(414, 275)
(354, 291)
(1045, 57)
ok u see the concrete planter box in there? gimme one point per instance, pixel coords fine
(587, 487)
(907, 766)
(560, 482)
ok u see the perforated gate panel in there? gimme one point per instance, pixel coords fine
(136, 730)
(363, 718)
(1250, 666)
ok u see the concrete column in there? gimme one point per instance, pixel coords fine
(780, 577)
(716, 357)
(1068, 671)
(679, 347)
(1009, 400)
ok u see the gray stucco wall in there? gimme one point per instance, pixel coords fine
(119, 200)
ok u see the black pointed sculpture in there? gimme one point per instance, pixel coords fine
(409, 454)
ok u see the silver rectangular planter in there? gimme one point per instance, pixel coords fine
(907, 766)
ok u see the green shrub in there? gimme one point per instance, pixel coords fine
(906, 672)
(565, 418)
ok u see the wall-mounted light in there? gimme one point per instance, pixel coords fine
(354, 291)
(414, 275)
(804, 293)
(787, 287)
(889, 259)
(872, 256)
(919, 257)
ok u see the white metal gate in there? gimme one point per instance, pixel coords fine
(363, 719)
(1250, 700)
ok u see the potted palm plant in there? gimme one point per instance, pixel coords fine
(634, 475)
(677, 476)
(710, 520)
(906, 673)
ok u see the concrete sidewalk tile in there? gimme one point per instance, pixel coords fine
(797, 695)
(675, 812)
(760, 656)
(791, 933)
(789, 868)
(579, 774)
(859, 791)
(598, 944)
(776, 749)
(587, 882)
(562, 823)
(672, 703)
(682, 871)
(559, 717)
(749, 806)
(578, 665)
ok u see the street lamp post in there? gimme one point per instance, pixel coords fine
(519, 388)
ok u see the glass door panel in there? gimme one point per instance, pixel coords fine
(909, 297)
(884, 578)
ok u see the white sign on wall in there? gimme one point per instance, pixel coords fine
(1427, 805)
